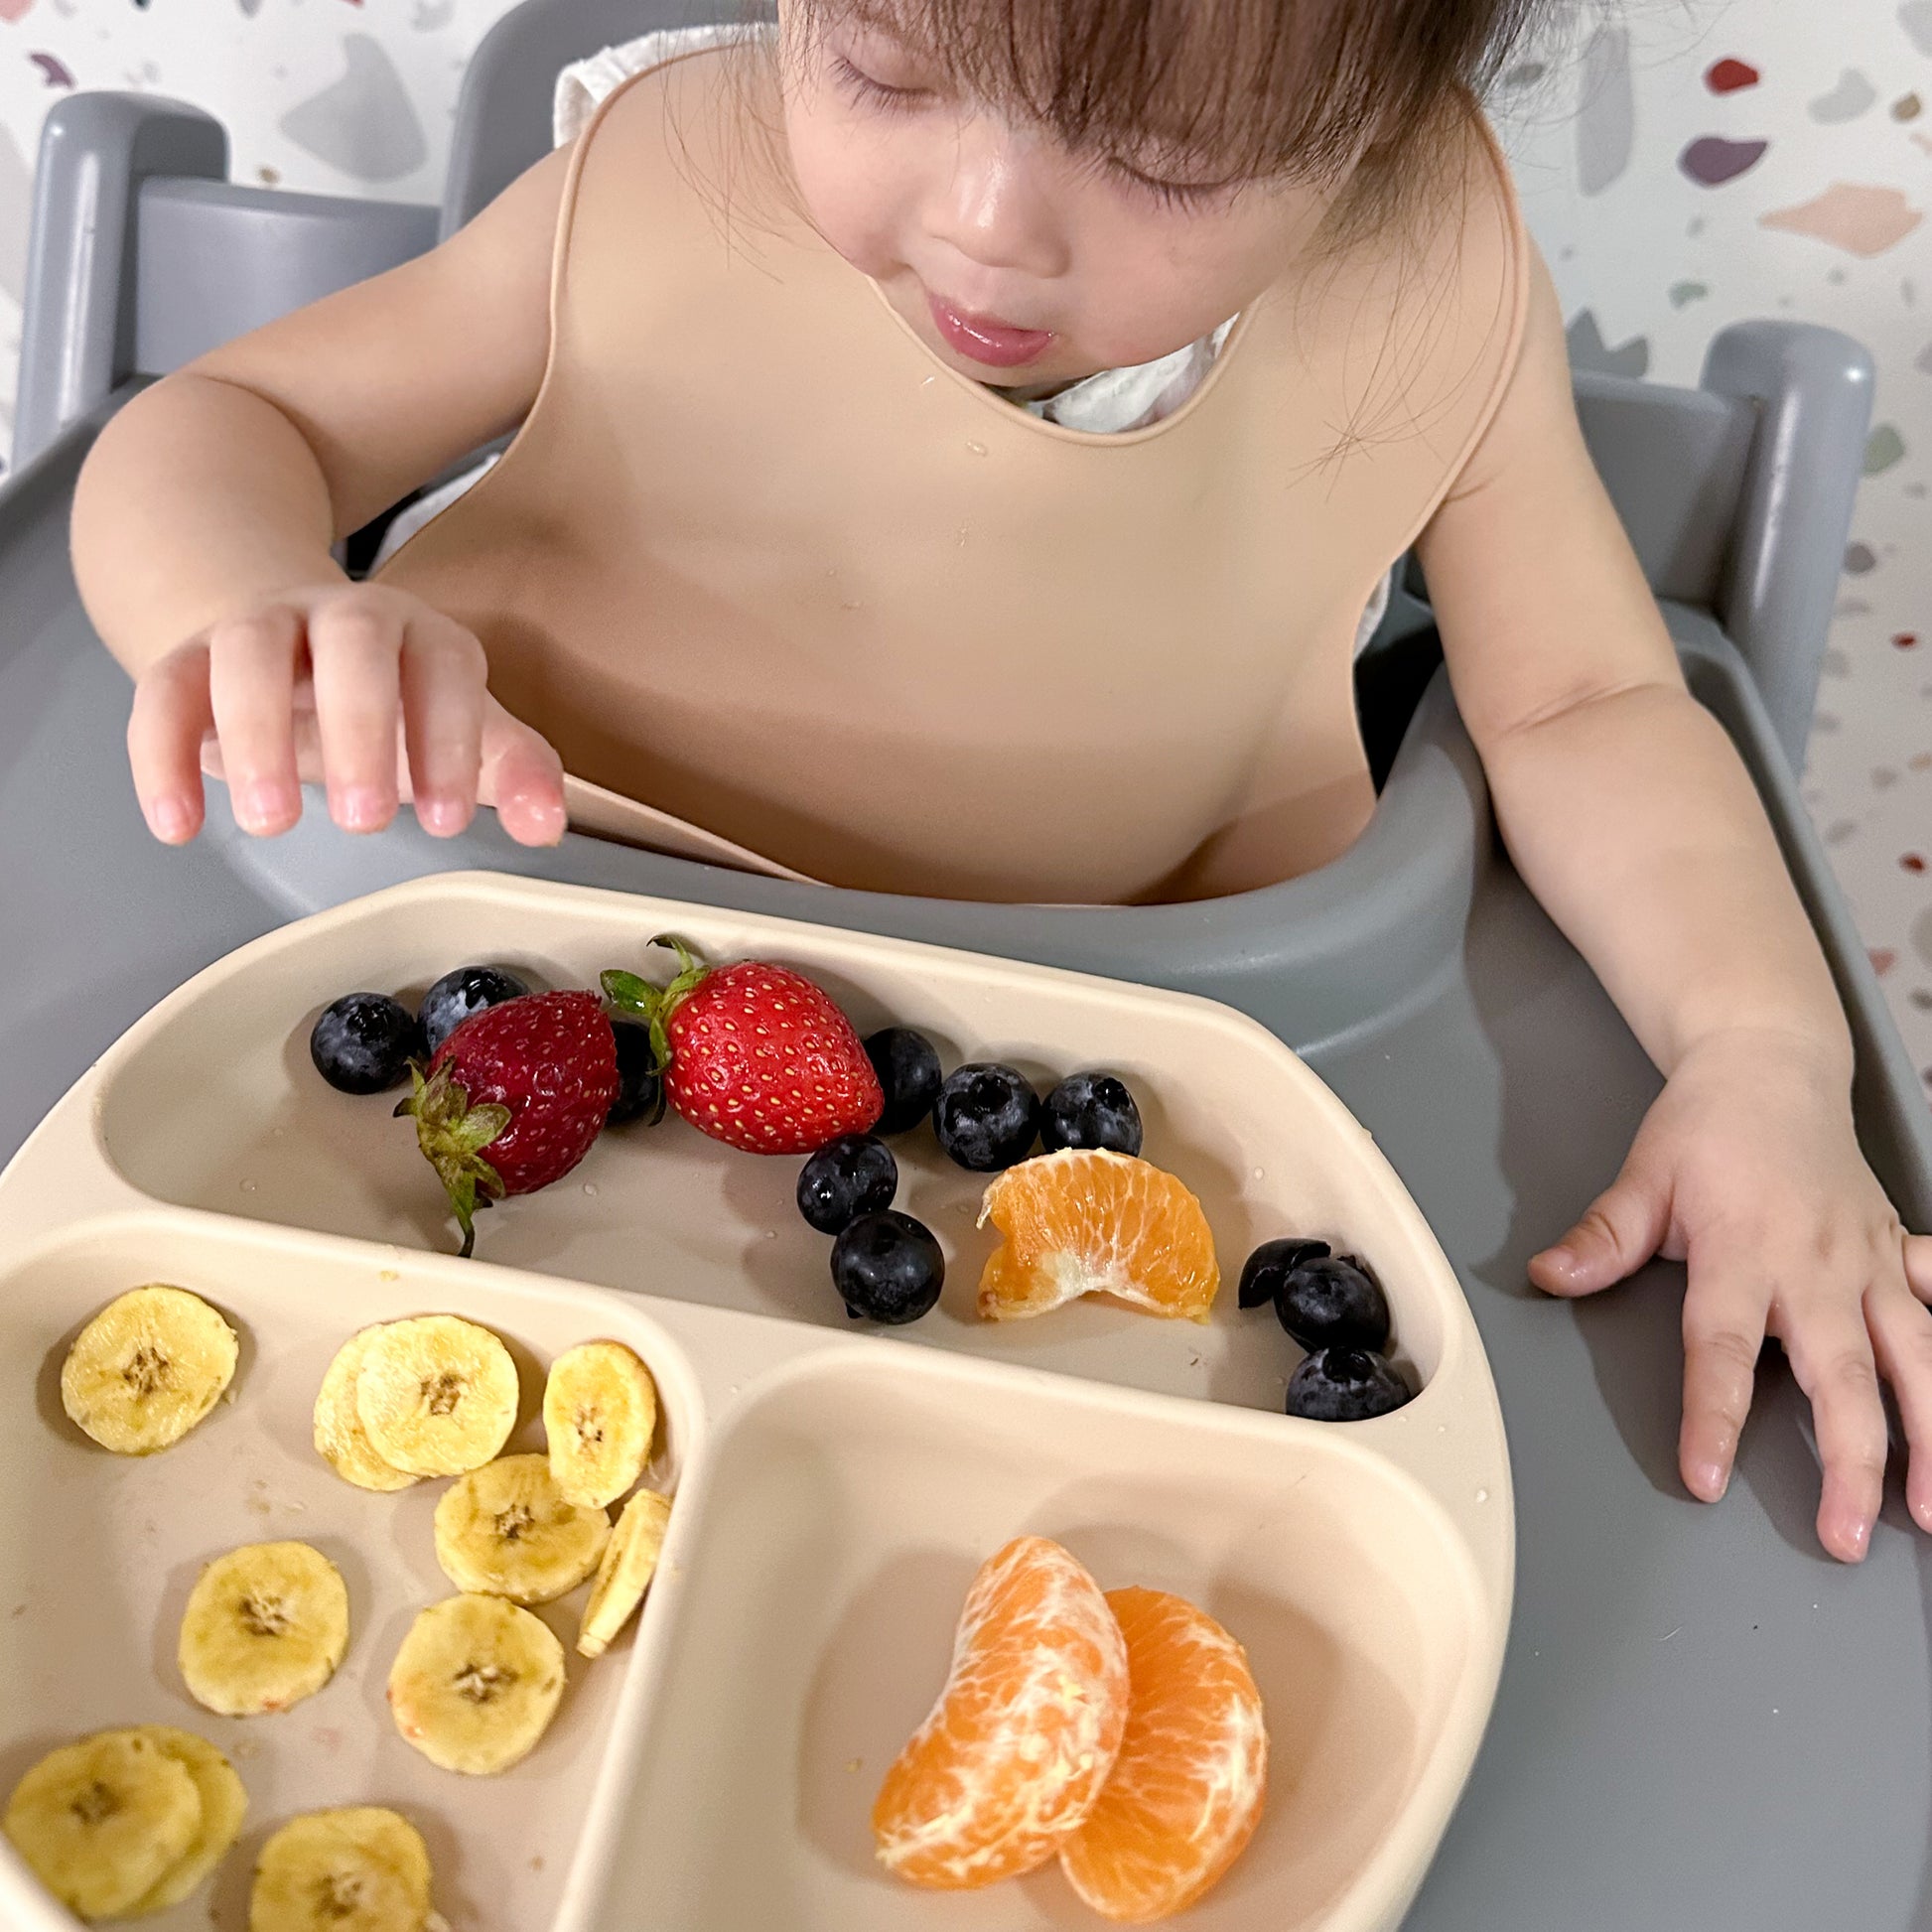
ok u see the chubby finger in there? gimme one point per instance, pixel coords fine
(1901, 1340)
(251, 687)
(443, 680)
(523, 777)
(1831, 1356)
(356, 650)
(171, 715)
(1619, 1231)
(1724, 1330)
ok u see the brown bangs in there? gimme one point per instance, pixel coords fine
(1220, 89)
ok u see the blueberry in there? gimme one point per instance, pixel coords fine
(908, 1071)
(852, 1176)
(1271, 1264)
(364, 1041)
(456, 996)
(1345, 1385)
(1334, 1301)
(639, 1089)
(1091, 1110)
(986, 1117)
(887, 1267)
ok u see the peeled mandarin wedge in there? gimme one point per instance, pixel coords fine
(1087, 1221)
(1187, 1789)
(1023, 1736)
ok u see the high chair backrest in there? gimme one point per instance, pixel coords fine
(502, 122)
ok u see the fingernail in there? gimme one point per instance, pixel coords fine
(1856, 1540)
(359, 808)
(168, 820)
(1558, 1256)
(261, 806)
(1709, 1479)
(441, 816)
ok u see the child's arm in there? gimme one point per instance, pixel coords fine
(1627, 810)
(201, 532)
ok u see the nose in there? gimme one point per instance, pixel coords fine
(994, 204)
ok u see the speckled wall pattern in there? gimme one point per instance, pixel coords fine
(1684, 167)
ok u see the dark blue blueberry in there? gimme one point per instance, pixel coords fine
(852, 1176)
(908, 1071)
(1333, 1301)
(456, 996)
(364, 1041)
(639, 1088)
(1345, 1385)
(1091, 1110)
(1271, 1264)
(887, 1267)
(987, 1117)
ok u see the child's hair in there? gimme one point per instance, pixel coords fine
(1230, 89)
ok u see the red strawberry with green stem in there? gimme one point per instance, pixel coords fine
(754, 1055)
(514, 1099)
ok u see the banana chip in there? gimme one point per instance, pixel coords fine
(358, 1869)
(436, 1396)
(504, 1531)
(599, 1412)
(630, 1563)
(475, 1684)
(341, 1439)
(265, 1627)
(103, 1820)
(147, 1368)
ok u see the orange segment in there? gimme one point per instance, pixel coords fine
(1085, 1222)
(1024, 1731)
(1188, 1786)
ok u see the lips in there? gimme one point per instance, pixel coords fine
(984, 339)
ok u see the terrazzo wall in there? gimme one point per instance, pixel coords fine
(1683, 165)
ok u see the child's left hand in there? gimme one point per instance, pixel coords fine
(1749, 1169)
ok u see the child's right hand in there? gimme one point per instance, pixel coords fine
(356, 686)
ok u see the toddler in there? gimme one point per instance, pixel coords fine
(959, 445)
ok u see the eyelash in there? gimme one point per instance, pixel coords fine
(861, 87)
(1170, 194)
(1177, 195)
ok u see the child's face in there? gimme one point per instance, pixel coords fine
(1018, 261)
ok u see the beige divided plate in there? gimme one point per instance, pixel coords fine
(835, 1488)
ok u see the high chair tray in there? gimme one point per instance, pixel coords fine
(835, 1490)
(1701, 1721)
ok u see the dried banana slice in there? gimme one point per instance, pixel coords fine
(599, 1412)
(147, 1368)
(630, 1563)
(358, 1869)
(224, 1805)
(504, 1531)
(101, 1822)
(265, 1627)
(475, 1684)
(341, 1439)
(436, 1396)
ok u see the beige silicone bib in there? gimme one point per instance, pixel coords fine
(760, 562)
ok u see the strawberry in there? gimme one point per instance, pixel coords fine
(528, 1083)
(754, 1055)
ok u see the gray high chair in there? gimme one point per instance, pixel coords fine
(1693, 1696)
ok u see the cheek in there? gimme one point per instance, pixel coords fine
(1156, 281)
(846, 179)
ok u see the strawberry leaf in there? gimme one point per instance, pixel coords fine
(453, 1135)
